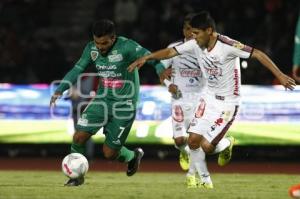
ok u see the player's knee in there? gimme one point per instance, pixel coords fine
(194, 141)
(80, 138)
(207, 147)
(180, 141)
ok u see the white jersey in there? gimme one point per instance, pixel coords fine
(220, 65)
(187, 72)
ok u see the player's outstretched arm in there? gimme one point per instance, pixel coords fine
(286, 81)
(158, 55)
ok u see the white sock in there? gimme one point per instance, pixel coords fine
(197, 159)
(223, 144)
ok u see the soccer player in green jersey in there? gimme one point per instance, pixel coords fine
(114, 106)
(296, 57)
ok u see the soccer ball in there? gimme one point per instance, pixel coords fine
(294, 191)
(75, 165)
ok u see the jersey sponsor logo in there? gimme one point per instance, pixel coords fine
(238, 45)
(117, 142)
(188, 72)
(82, 122)
(94, 55)
(109, 74)
(218, 121)
(103, 67)
(214, 71)
(112, 83)
(236, 90)
(115, 58)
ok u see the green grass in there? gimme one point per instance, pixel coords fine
(48, 185)
(55, 131)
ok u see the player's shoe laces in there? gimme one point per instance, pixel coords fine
(225, 156)
(133, 165)
(191, 181)
(205, 185)
(184, 161)
(74, 182)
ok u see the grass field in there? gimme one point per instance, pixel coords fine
(56, 131)
(48, 185)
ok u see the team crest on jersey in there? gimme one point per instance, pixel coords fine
(238, 45)
(115, 58)
(94, 55)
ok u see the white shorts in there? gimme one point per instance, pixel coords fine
(183, 111)
(212, 119)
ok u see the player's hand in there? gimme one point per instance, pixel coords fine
(137, 64)
(287, 82)
(166, 74)
(54, 98)
(173, 88)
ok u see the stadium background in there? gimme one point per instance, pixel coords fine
(41, 39)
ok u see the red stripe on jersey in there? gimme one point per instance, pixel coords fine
(234, 43)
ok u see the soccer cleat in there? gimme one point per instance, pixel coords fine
(74, 182)
(225, 156)
(184, 161)
(191, 181)
(133, 165)
(206, 185)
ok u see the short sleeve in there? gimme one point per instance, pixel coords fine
(187, 47)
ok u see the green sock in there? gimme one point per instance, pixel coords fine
(125, 155)
(78, 148)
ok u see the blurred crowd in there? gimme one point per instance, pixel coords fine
(30, 53)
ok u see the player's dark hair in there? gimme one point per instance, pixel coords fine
(103, 27)
(188, 17)
(203, 20)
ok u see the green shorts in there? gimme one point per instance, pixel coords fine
(115, 117)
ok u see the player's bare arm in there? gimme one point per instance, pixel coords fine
(158, 55)
(286, 81)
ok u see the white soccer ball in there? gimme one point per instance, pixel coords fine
(75, 165)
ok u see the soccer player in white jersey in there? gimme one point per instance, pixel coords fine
(185, 86)
(218, 56)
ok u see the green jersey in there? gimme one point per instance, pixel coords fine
(296, 56)
(116, 83)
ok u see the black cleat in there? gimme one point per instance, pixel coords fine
(75, 182)
(133, 165)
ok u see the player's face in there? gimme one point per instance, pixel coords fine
(187, 31)
(201, 36)
(104, 43)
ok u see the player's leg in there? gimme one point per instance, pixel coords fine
(116, 133)
(224, 145)
(90, 121)
(179, 135)
(196, 140)
(197, 158)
